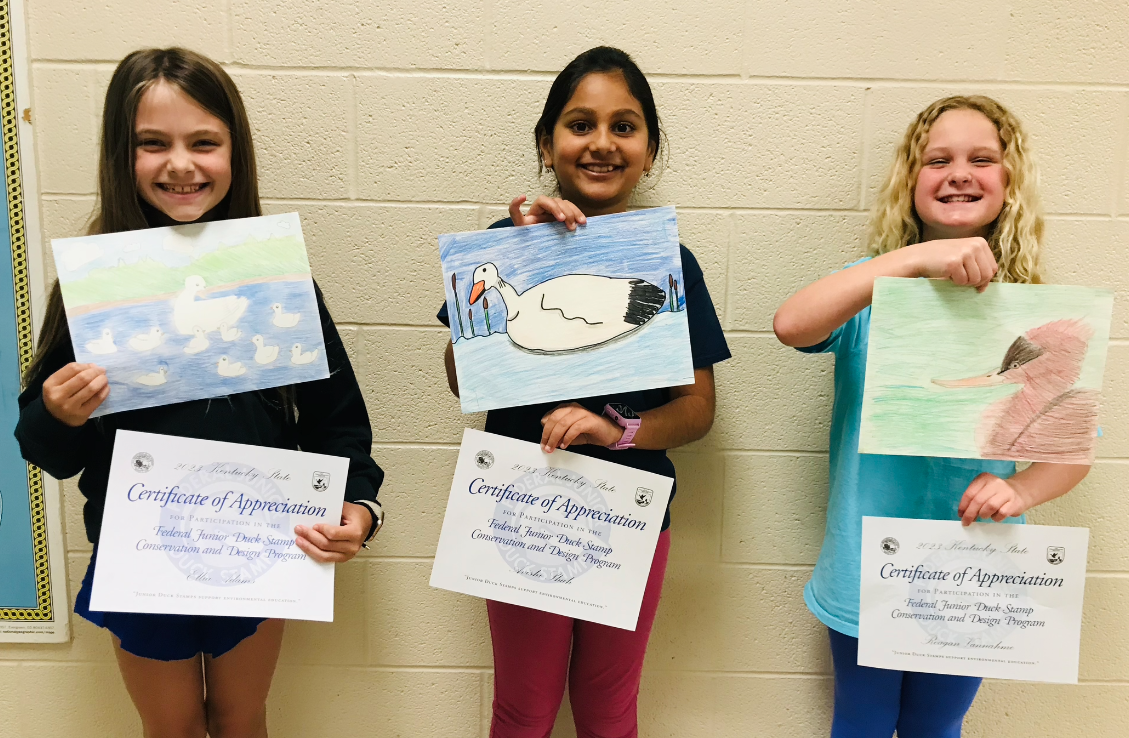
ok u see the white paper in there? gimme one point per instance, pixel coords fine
(198, 527)
(559, 532)
(989, 600)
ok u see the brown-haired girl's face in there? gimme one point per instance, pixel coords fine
(600, 146)
(961, 187)
(183, 158)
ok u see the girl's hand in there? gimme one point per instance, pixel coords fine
(572, 423)
(75, 391)
(964, 261)
(336, 543)
(991, 497)
(547, 210)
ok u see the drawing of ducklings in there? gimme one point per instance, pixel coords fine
(155, 379)
(198, 343)
(283, 320)
(147, 341)
(297, 356)
(227, 368)
(264, 354)
(103, 345)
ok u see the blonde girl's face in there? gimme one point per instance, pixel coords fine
(183, 158)
(962, 183)
(600, 147)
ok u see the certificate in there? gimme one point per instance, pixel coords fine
(989, 600)
(196, 527)
(559, 532)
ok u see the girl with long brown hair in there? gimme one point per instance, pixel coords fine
(176, 148)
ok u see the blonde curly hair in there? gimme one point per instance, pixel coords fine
(1017, 233)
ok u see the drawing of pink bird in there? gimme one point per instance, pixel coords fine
(1046, 420)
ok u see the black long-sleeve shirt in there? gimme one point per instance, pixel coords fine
(331, 419)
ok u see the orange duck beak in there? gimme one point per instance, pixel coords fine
(476, 291)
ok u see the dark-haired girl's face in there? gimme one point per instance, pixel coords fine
(182, 163)
(600, 147)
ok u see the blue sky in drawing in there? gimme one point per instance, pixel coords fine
(173, 246)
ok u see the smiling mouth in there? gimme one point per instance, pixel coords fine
(599, 168)
(188, 189)
(959, 198)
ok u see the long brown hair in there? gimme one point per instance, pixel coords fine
(119, 206)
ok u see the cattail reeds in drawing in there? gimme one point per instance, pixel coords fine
(673, 293)
(486, 312)
(458, 307)
(470, 317)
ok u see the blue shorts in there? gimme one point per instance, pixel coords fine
(165, 637)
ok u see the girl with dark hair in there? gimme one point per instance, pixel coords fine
(599, 134)
(176, 148)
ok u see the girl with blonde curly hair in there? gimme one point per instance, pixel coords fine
(960, 204)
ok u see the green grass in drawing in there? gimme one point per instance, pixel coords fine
(1013, 372)
(252, 259)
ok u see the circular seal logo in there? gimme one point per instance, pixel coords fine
(643, 496)
(890, 546)
(217, 544)
(484, 459)
(142, 462)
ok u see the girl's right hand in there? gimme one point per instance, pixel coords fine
(964, 261)
(547, 210)
(75, 391)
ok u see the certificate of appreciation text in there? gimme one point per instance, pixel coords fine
(196, 527)
(987, 600)
(559, 532)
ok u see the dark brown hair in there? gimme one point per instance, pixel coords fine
(119, 206)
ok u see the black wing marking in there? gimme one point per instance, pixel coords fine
(643, 302)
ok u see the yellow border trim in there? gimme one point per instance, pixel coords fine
(22, 291)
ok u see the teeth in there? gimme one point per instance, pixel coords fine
(598, 169)
(181, 189)
(959, 198)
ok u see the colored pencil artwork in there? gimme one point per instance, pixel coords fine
(1012, 373)
(458, 307)
(470, 317)
(194, 311)
(575, 314)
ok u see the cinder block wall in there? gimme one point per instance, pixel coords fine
(385, 124)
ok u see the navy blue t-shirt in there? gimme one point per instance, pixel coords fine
(707, 346)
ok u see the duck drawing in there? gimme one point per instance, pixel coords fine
(103, 345)
(298, 357)
(572, 312)
(227, 368)
(229, 334)
(264, 354)
(283, 320)
(155, 379)
(188, 312)
(198, 343)
(1046, 419)
(147, 341)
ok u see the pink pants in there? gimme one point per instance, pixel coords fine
(534, 651)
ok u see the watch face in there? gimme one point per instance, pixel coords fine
(624, 411)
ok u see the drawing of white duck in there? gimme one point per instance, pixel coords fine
(188, 312)
(155, 379)
(283, 320)
(571, 312)
(264, 354)
(103, 345)
(147, 341)
(297, 356)
(228, 333)
(198, 343)
(225, 367)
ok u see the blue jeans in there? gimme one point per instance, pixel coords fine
(872, 703)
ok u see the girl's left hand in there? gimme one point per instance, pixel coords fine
(572, 423)
(336, 543)
(991, 497)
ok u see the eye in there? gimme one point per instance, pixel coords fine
(623, 128)
(206, 144)
(580, 126)
(936, 162)
(1013, 365)
(150, 143)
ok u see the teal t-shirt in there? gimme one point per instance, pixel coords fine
(870, 484)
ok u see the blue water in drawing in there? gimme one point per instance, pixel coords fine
(493, 372)
(196, 376)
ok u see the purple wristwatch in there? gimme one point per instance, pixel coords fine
(625, 418)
